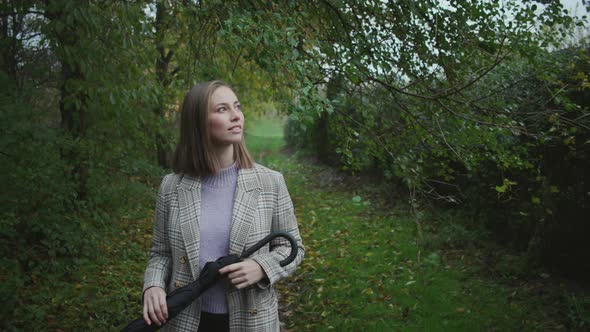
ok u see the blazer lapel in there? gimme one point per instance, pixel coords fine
(244, 210)
(189, 201)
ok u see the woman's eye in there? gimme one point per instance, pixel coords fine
(221, 109)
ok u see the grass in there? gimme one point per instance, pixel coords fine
(265, 126)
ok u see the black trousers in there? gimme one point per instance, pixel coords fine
(213, 322)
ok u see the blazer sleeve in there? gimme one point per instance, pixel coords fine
(283, 219)
(158, 269)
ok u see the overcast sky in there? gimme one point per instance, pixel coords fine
(574, 7)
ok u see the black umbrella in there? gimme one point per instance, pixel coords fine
(182, 297)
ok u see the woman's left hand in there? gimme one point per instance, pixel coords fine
(244, 274)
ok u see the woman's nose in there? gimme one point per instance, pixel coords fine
(235, 114)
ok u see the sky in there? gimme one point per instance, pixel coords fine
(571, 5)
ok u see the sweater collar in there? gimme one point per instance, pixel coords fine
(225, 178)
(247, 180)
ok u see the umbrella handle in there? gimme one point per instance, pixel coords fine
(270, 237)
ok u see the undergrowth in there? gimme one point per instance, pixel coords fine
(363, 268)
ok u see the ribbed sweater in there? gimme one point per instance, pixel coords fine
(217, 201)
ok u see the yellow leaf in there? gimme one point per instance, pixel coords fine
(368, 291)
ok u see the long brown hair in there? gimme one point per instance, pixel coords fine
(194, 152)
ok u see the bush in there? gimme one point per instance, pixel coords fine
(525, 178)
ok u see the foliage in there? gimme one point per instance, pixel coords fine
(462, 102)
(364, 270)
(477, 119)
(34, 197)
(74, 102)
(99, 290)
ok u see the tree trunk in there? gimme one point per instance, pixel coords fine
(72, 106)
(73, 98)
(163, 78)
(9, 29)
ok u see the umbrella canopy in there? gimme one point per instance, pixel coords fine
(184, 296)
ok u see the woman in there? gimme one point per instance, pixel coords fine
(218, 202)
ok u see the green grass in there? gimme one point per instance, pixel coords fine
(265, 126)
(364, 271)
(264, 136)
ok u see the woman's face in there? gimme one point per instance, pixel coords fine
(225, 121)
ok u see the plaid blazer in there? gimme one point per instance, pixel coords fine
(261, 205)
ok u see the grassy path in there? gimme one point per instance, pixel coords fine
(364, 271)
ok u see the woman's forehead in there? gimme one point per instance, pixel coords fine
(223, 94)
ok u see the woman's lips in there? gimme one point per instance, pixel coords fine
(235, 128)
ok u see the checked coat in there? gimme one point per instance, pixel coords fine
(261, 205)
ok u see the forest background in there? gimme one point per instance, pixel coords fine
(476, 107)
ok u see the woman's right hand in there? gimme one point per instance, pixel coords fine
(154, 306)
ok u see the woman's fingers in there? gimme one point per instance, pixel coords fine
(158, 310)
(235, 271)
(230, 268)
(240, 280)
(152, 313)
(164, 307)
(146, 317)
(243, 274)
(242, 285)
(154, 309)
(236, 274)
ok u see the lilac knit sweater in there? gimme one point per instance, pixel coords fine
(217, 200)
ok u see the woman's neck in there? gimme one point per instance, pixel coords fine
(225, 155)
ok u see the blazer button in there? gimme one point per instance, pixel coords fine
(178, 284)
(253, 312)
(182, 260)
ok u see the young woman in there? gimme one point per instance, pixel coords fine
(218, 202)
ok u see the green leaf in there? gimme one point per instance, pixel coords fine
(501, 189)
